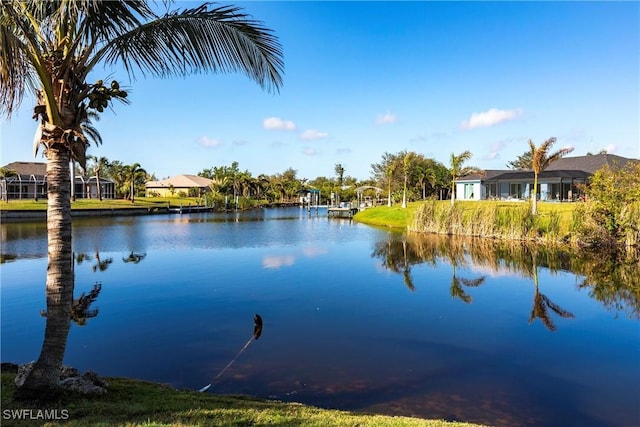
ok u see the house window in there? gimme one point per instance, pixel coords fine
(468, 191)
(491, 190)
(515, 190)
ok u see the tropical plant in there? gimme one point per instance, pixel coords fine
(135, 175)
(101, 163)
(406, 169)
(390, 169)
(522, 162)
(540, 160)
(4, 174)
(457, 170)
(49, 48)
(611, 214)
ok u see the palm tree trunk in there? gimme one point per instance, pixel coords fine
(453, 191)
(534, 206)
(98, 183)
(404, 193)
(44, 379)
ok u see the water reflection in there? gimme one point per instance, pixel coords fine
(614, 283)
(134, 257)
(541, 303)
(81, 308)
(456, 285)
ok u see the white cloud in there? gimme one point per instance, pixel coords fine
(386, 118)
(308, 151)
(240, 142)
(313, 134)
(276, 123)
(205, 141)
(611, 148)
(490, 118)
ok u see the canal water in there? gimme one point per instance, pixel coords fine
(354, 317)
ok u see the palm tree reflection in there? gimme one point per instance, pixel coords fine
(398, 256)
(102, 264)
(457, 291)
(81, 306)
(541, 303)
(134, 257)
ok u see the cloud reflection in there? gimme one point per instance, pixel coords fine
(278, 261)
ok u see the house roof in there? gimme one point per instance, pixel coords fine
(180, 181)
(589, 163)
(26, 169)
(39, 171)
(565, 167)
(488, 174)
(521, 175)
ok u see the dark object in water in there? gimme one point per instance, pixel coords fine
(257, 326)
(257, 331)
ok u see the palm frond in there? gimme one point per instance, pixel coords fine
(539, 311)
(221, 40)
(473, 282)
(556, 308)
(17, 76)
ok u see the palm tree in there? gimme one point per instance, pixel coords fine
(134, 173)
(4, 174)
(339, 170)
(406, 168)
(49, 49)
(101, 163)
(426, 176)
(391, 167)
(457, 170)
(540, 160)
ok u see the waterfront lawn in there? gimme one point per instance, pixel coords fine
(397, 217)
(132, 402)
(385, 216)
(141, 202)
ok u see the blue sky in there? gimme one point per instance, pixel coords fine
(364, 78)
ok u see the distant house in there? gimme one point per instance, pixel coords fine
(561, 181)
(30, 182)
(176, 184)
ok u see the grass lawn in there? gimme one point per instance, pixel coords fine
(141, 202)
(132, 403)
(396, 217)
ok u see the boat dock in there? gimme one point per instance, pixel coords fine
(341, 212)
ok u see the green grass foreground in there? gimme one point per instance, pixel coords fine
(133, 402)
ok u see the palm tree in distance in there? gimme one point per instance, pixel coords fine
(457, 170)
(391, 167)
(406, 168)
(134, 173)
(4, 174)
(101, 164)
(49, 49)
(339, 170)
(540, 160)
